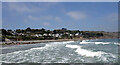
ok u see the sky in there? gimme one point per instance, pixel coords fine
(84, 16)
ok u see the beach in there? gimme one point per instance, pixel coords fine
(37, 41)
(5, 43)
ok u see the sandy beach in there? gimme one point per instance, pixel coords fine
(45, 41)
(35, 41)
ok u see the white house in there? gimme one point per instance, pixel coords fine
(50, 34)
(66, 33)
(71, 34)
(44, 34)
(20, 34)
(40, 35)
(36, 35)
(76, 34)
(56, 35)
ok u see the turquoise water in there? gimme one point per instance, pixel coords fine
(87, 51)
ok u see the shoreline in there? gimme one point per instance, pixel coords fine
(35, 41)
(44, 41)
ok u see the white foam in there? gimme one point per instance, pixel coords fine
(86, 42)
(85, 52)
(117, 43)
(68, 42)
(72, 46)
(102, 42)
(34, 54)
(52, 44)
(46, 46)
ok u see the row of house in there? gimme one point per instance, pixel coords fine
(15, 33)
(50, 34)
(57, 35)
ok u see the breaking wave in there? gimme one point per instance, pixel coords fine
(104, 43)
(46, 54)
(89, 53)
(64, 52)
(84, 52)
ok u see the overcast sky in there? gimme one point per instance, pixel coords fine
(96, 16)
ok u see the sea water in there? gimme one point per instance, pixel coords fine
(86, 51)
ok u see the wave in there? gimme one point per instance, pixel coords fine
(68, 42)
(117, 43)
(97, 43)
(22, 56)
(102, 43)
(46, 46)
(91, 40)
(100, 55)
(53, 44)
(55, 51)
(85, 52)
(107, 43)
(85, 42)
(88, 53)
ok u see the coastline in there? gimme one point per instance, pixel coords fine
(45, 41)
(35, 41)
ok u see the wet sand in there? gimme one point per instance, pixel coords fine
(35, 41)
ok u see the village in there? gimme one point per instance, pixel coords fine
(43, 34)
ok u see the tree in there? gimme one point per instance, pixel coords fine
(64, 29)
(18, 31)
(28, 29)
(43, 29)
(9, 30)
(4, 32)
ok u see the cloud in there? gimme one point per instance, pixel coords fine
(23, 7)
(46, 24)
(33, 18)
(112, 17)
(47, 18)
(37, 18)
(77, 15)
(29, 7)
(58, 19)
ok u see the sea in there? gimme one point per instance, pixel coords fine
(86, 51)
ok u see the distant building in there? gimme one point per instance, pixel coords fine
(67, 33)
(71, 34)
(20, 34)
(50, 34)
(76, 34)
(56, 35)
(36, 35)
(40, 35)
(7, 40)
(44, 34)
